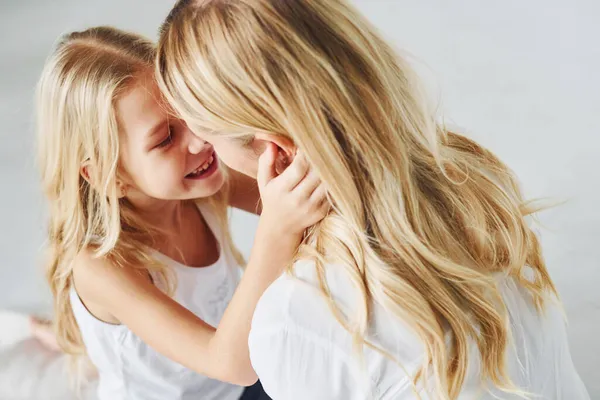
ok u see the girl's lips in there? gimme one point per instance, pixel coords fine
(207, 172)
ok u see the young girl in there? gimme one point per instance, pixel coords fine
(142, 266)
(425, 281)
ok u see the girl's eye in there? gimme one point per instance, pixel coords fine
(168, 140)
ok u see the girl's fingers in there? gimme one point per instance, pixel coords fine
(320, 212)
(324, 208)
(308, 185)
(266, 165)
(319, 194)
(293, 174)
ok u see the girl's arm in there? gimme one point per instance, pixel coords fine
(244, 193)
(292, 202)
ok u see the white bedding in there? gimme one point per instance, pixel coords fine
(28, 370)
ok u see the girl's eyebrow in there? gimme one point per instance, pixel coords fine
(156, 128)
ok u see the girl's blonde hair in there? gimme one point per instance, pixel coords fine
(77, 125)
(424, 219)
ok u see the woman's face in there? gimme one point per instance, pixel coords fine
(235, 153)
(242, 154)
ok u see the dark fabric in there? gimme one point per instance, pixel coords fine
(255, 392)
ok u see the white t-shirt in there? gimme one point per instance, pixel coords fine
(300, 351)
(129, 369)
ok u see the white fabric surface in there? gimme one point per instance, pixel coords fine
(300, 351)
(14, 327)
(29, 371)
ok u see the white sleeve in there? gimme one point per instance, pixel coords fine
(292, 361)
(293, 366)
(299, 351)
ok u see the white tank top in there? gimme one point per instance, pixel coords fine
(129, 369)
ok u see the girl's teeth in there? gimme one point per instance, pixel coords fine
(204, 166)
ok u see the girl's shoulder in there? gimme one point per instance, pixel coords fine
(89, 273)
(99, 283)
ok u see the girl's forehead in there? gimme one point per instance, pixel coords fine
(141, 108)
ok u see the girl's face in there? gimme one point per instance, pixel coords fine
(161, 157)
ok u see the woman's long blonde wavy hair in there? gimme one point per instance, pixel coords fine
(424, 219)
(77, 124)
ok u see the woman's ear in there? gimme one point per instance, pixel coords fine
(85, 172)
(285, 146)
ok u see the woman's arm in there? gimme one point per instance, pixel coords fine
(293, 202)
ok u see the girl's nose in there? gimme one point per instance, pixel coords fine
(195, 144)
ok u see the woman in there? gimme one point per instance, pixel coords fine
(425, 280)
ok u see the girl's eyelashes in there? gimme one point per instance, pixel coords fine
(168, 140)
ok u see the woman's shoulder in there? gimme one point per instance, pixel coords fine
(296, 302)
(295, 329)
(293, 322)
(297, 285)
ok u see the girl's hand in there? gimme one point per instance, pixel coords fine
(292, 201)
